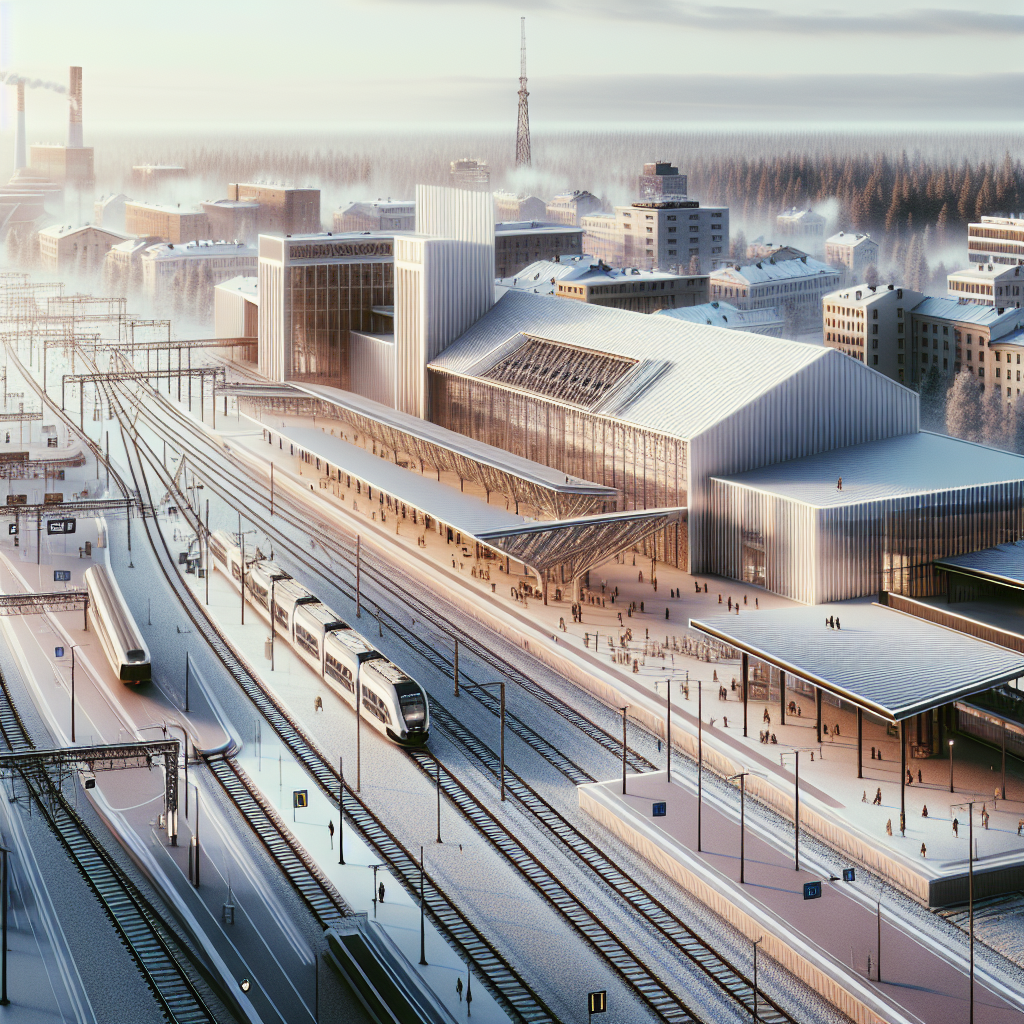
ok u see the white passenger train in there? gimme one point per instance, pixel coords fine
(393, 702)
(115, 627)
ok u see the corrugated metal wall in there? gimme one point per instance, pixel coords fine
(373, 367)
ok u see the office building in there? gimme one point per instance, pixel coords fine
(987, 284)
(283, 209)
(794, 287)
(65, 249)
(392, 215)
(473, 175)
(166, 223)
(70, 165)
(570, 207)
(508, 206)
(108, 211)
(315, 292)
(852, 252)
(873, 325)
(230, 220)
(680, 236)
(723, 314)
(954, 335)
(661, 181)
(236, 308)
(805, 228)
(643, 291)
(996, 240)
(520, 243)
(167, 266)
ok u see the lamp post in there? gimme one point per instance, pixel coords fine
(668, 731)
(742, 777)
(951, 766)
(188, 664)
(273, 626)
(756, 941)
(624, 710)
(4, 1001)
(73, 646)
(437, 771)
(374, 868)
(206, 563)
(700, 754)
(241, 568)
(796, 802)
(970, 892)
(423, 927)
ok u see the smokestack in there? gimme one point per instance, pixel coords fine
(19, 139)
(75, 110)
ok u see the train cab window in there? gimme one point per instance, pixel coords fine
(410, 700)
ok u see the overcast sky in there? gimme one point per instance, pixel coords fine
(338, 62)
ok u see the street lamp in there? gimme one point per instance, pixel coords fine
(341, 813)
(951, 766)
(4, 1001)
(700, 753)
(742, 777)
(624, 710)
(375, 868)
(756, 941)
(273, 625)
(423, 929)
(796, 800)
(437, 770)
(970, 888)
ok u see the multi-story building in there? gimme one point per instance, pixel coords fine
(122, 266)
(987, 284)
(65, 249)
(392, 215)
(723, 314)
(283, 209)
(805, 227)
(996, 240)
(570, 207)
(150, 178)
(232, 220)
(661, 180)
(953, 335)
(759, 249)
(108, 211)
(795, 287)
(519, 243)
(852, 252)
(642, 291)
(674, 235)
(236, 308)
(872, 324)
(167, 223)
(166, 266)
(508, 206)
(466, 173)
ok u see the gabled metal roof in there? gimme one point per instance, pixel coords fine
(699, 375)
(1001, 564)
(887, 662)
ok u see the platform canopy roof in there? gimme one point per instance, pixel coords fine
(541, 545)
(1003, 564)
(889, 663)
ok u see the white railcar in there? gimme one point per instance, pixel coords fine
(115, 628)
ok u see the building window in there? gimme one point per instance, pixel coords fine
(874, 360)
(899, 328)
(874, 314)
(874, 328)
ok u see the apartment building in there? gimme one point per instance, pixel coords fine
(805, 227)
(872, 325)
(392, 215)
(795, 287)
(166, 265)
(166, 223)
(570, 207)
(723, 314)
(996, 240)
(642, 291)
(517, 244)
(283, 209)
(64, 249)
(987, 284)
(853, 253)
(508, 206)
(679, 236)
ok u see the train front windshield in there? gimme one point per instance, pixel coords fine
(413, 705)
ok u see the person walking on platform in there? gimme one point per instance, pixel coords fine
(956, 827)
(888, 827)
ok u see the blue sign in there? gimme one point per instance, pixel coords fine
(658, 809)
(12, 529)
(58, 652)
(61, 575)
(812, 890)
(849, 875)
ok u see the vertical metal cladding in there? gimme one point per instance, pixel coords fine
(20, 159)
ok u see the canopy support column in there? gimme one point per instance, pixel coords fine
(860, 743)
(817, 710)
(782, 698)
(903, 775)
(745, 664)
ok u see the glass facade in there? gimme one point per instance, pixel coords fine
(815, 555)
(325, 301)
(648, 468)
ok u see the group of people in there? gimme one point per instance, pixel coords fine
(832, 622)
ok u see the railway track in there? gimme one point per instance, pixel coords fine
(493, 970)
(139, 925)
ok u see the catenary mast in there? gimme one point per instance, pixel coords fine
(523, 128)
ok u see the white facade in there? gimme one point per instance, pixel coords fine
(108, 211)
(987, 284)
(236, 307)
(795, 287)
(569, 207)
(872, 325)
(508, 206)
(996, 240)
(852, 251)
(162, 263)
(805, 226)
(723, 314)
(76, 250)
(392, 215)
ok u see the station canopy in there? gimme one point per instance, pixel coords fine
(523, 480)
(889, 663)
(540, 544)
(1003, 564)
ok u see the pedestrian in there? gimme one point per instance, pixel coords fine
(729, 604)
(919, 778)
(705, 588)
(1020, 826)
(956, 827)
(696, 586)
(835, 729)
(864, 798)
(924, 811)
(756, 605)
(719, 598)
(380, 893)
(903, 824)
(766, 717)
(318, 704)
(799, 711)
(744, 598)
(888, 827)
(910, 778)
(774, 740)
(725, 722)
(984, 819)
(872, 753)
(839, 486)
(837, 623)
(458, 988)
(825, 729)
(878, 797)
(330, 828)
(924, 850)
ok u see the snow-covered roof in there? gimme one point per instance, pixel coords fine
(684, 379)
(380, 204)
(865, 294)
(986, 272)
(966, 312)
(724, 314)
(537, 277)
(175, 251)
(532, 227)
(166, 208)
(808, 216)
(66, 231)
(765, 271)
(247, 286)
(849, 238)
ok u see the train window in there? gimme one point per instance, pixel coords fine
(235, 571)
(376, 706)
(307, 641)
(281, 614)
(217, 549)
(338, 672)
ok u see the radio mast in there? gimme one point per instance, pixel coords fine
(523, 128)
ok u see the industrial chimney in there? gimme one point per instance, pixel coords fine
(20, 162)
(75, 110)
